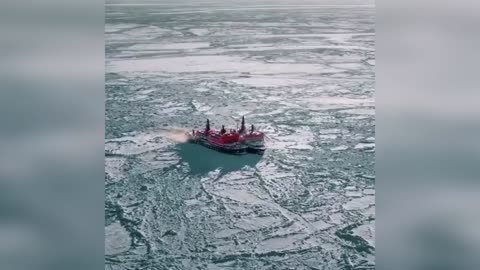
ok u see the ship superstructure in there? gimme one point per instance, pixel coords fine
(230, 141)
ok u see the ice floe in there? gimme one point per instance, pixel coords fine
(114, 167)
(339, 148)
(117, 239)
(269, 82)
(366, 232)
(359, 203)
(365, 146)
(169, 46)
(212, 63)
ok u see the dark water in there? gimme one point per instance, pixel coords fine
(302, 74)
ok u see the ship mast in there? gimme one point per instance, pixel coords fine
(242, 127)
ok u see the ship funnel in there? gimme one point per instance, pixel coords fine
(242, 127)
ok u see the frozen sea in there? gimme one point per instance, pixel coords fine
(302, 72)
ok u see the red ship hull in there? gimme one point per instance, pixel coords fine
(232, 142)
(205, 140)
